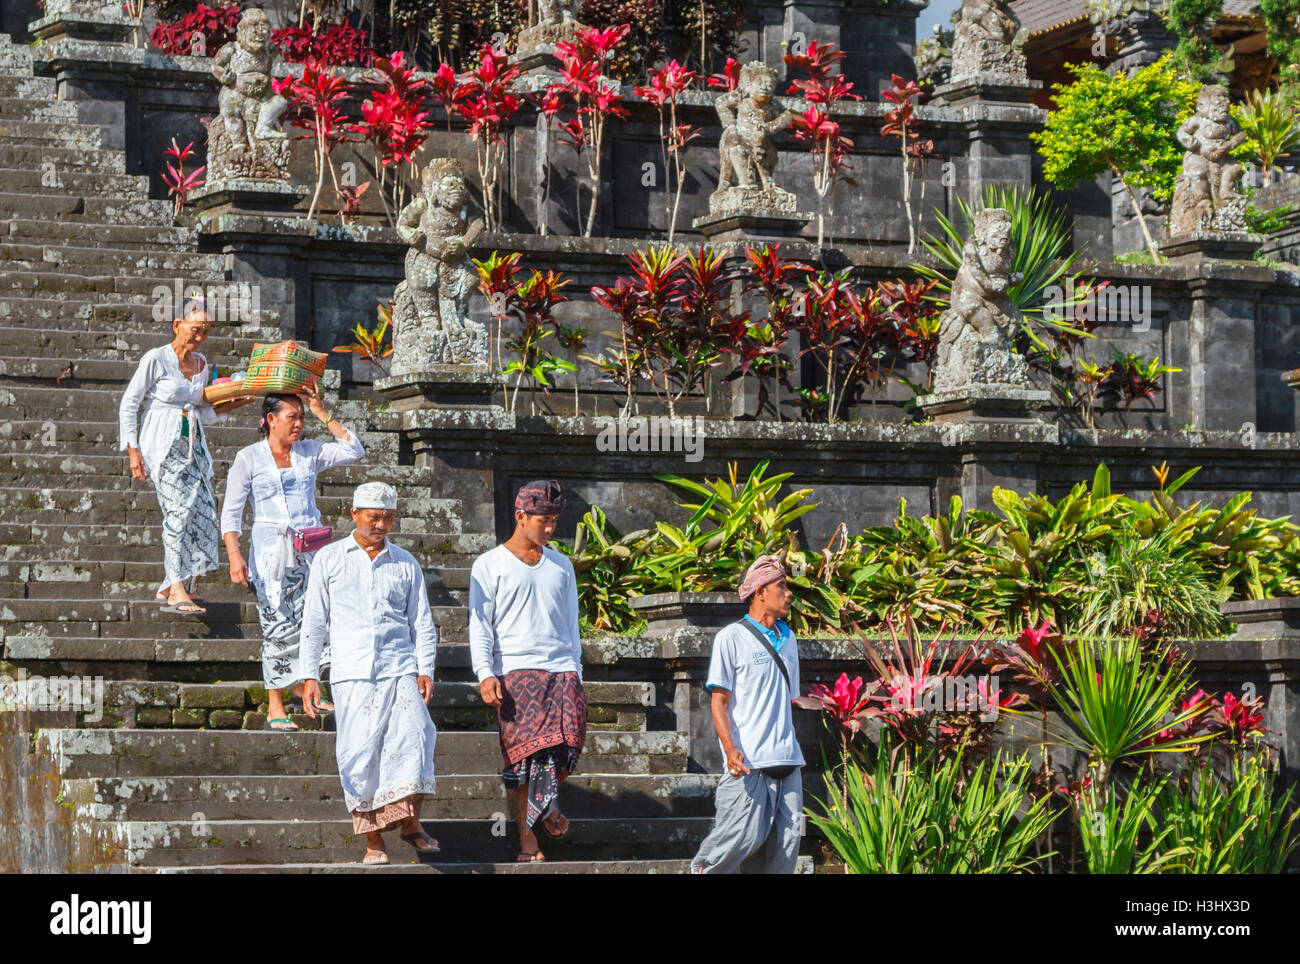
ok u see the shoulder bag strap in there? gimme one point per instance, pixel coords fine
(767, 644)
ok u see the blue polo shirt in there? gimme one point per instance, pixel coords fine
(762, 724)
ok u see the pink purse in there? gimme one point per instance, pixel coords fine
(313, 538)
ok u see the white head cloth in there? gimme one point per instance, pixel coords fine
(374, 495)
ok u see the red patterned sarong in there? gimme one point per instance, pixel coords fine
(543, 720)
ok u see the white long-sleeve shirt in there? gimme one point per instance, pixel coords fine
(375, 612)
(159, 380)
(283, 499)
(522, 616)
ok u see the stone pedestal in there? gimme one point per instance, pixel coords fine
(1211, 246)
(989, 87)
(706, 612)
(536, 55)
(751, 214)
(985, 403)
(233, 196)
(71, 20)
(442, 386)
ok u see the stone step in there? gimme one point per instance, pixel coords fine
(164, 753)
(95, 543)
(460, 796)
(143, 615)
(29, 109)
(67, 285)
(135, 343)
(105, 236)
(74, 207)
(220, 704)
(202, 660)
(32, 157)
(98, 313)
(69, 181)
(16, 58)
(198, 269)
(84, 137)
(28, 87)
(552, 865)
(31, 468)
(171, 843)
(118, 369)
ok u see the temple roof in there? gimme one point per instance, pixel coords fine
(1041, 16)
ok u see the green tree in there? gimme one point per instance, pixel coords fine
(1282, 23)
(1124, 124)
(1195, 57)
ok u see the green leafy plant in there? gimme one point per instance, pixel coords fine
(928, 816)
(1114, 824)
(372, 345)
(1269, 122)
(1268, 222)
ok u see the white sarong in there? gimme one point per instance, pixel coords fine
(384, 741)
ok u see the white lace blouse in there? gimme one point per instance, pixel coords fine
(159, 381)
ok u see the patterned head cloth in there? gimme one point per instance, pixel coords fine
(374, 495)
(540, 498)
(761, 572)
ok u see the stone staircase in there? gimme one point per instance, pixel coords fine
(176, 771)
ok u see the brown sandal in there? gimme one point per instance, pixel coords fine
(415, 839)
(375, 857)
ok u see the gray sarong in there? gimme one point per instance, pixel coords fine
(757, 828)
(189, 510)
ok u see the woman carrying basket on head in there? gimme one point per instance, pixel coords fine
(279, 473)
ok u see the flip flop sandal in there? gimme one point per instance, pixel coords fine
(375, 857)
(529, 856)
(191, 609)
(295, 705)
(292, 727)
(417, 838)
(547, 831)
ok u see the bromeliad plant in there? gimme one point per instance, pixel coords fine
(314, 106)
(179, 181)
(594, 99)
(666, 86)
(822, 90)
(488, 103)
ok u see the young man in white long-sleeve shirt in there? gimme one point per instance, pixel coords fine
(527, 654)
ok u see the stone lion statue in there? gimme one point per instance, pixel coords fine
(430, 310)
(987, 39)
(977, 331)
(1205, 191)
(244, 140)
(747, 158)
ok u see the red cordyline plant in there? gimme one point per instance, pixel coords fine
(200, 33)
(395, 123)
(314, 100)
(595, 99)
(675, 313)
(900, 122)
(447, 90)
(179, 181)
(488, 104)
(758, 350)
(821, 91)
(667, 84)
(335, 44)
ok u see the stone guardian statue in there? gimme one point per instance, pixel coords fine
(431, 307)
(1205, 192)
(977, 331)
(244, 141)
(987, 40)
(747, 158)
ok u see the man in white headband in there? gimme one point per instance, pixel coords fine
(367, 596)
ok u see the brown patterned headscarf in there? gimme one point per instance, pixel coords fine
(763, 570)
(540, 498)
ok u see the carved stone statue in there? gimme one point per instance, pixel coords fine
(244, 141)
(430, 310)
(549, 21)
(987, 40)
(746, 156)
(1205, 192)
(977, 330)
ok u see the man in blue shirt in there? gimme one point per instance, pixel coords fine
(753, 676)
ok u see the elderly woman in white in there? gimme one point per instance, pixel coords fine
(170, 447)
(279, 474)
